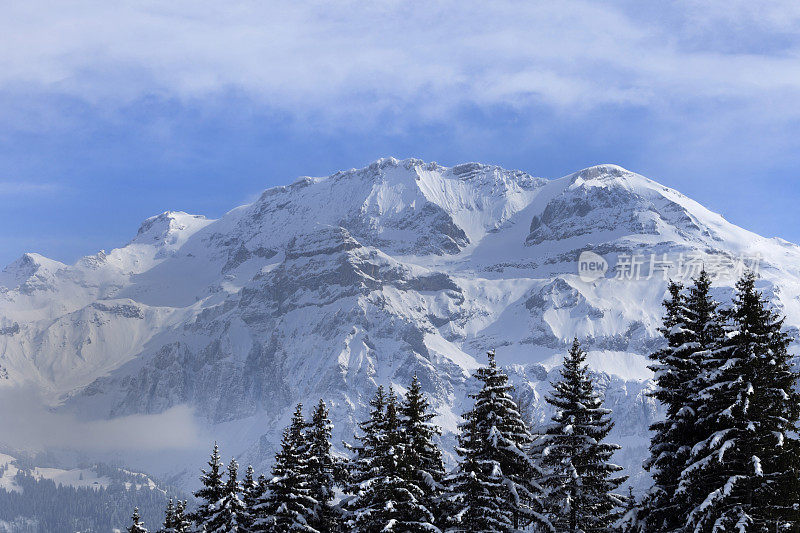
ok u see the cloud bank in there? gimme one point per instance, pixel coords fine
(340, 60)
(26, 424)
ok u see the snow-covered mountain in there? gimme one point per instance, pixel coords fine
(330, 286)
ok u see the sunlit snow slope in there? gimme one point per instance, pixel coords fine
(330, 286)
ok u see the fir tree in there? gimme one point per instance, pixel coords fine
(666, 461)
(175, 520)
(322, 467)
(363, 463)
(747, 467)
(211, 491)
(251, 492)
(181, 521)
(423, 458)
(692, 329)
(384, 498)
(136, 526)
(257, 509)
(169, 518)
(287, 504)
(227, 513)
(578, 479)
(494, 488)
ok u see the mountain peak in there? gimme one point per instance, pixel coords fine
(169, 228)
(165, 221)
(616, 177)
(603, 169)
(381, 165)
(32, 262)
(26, 267)
(600, 174)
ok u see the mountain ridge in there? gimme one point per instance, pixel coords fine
(329, 286)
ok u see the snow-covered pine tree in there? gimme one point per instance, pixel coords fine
(287, 503)
(360, 467)
(692, 328)
(747, 468)
(169, 518)
(494, 488)
(181, 521)
(227, 513)
(383, 498)
(136, 526)
(322, 467)
(257, 506)
(251, 491)
(211, 491)
(423, 458)
(670, 378)
(579, 480)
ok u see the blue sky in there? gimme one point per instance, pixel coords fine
(112, 113)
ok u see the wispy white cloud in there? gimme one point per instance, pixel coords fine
(355, 59)
(26, 423)
(16, 188)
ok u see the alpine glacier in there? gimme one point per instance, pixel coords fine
(329, 286)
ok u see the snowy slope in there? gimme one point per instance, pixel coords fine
(96, 477)
(330, 286)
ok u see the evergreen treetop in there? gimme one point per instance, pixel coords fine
(424, 456)
(136, 526)
(747, 467)
(494, 487)
(322, 469)
(226, 514)
(287, 503)
(181, 521)
(384, 497)
(692, 327)
(251, 491)
(578, 478)
(169, 518)
(423, 462)
(212, 489)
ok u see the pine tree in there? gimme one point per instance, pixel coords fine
(211, 491)
(747, 467)
(692, 328)
(136, 526)
(423, 458)
(287, 504)
(169, 518)
(494, 488)
(322, 466)
(667, 460)
(181, 521)
(384, 499)
(227, 513)
(363, 464)
(578, 479)
(251, 492)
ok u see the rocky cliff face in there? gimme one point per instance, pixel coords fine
(331, 286)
